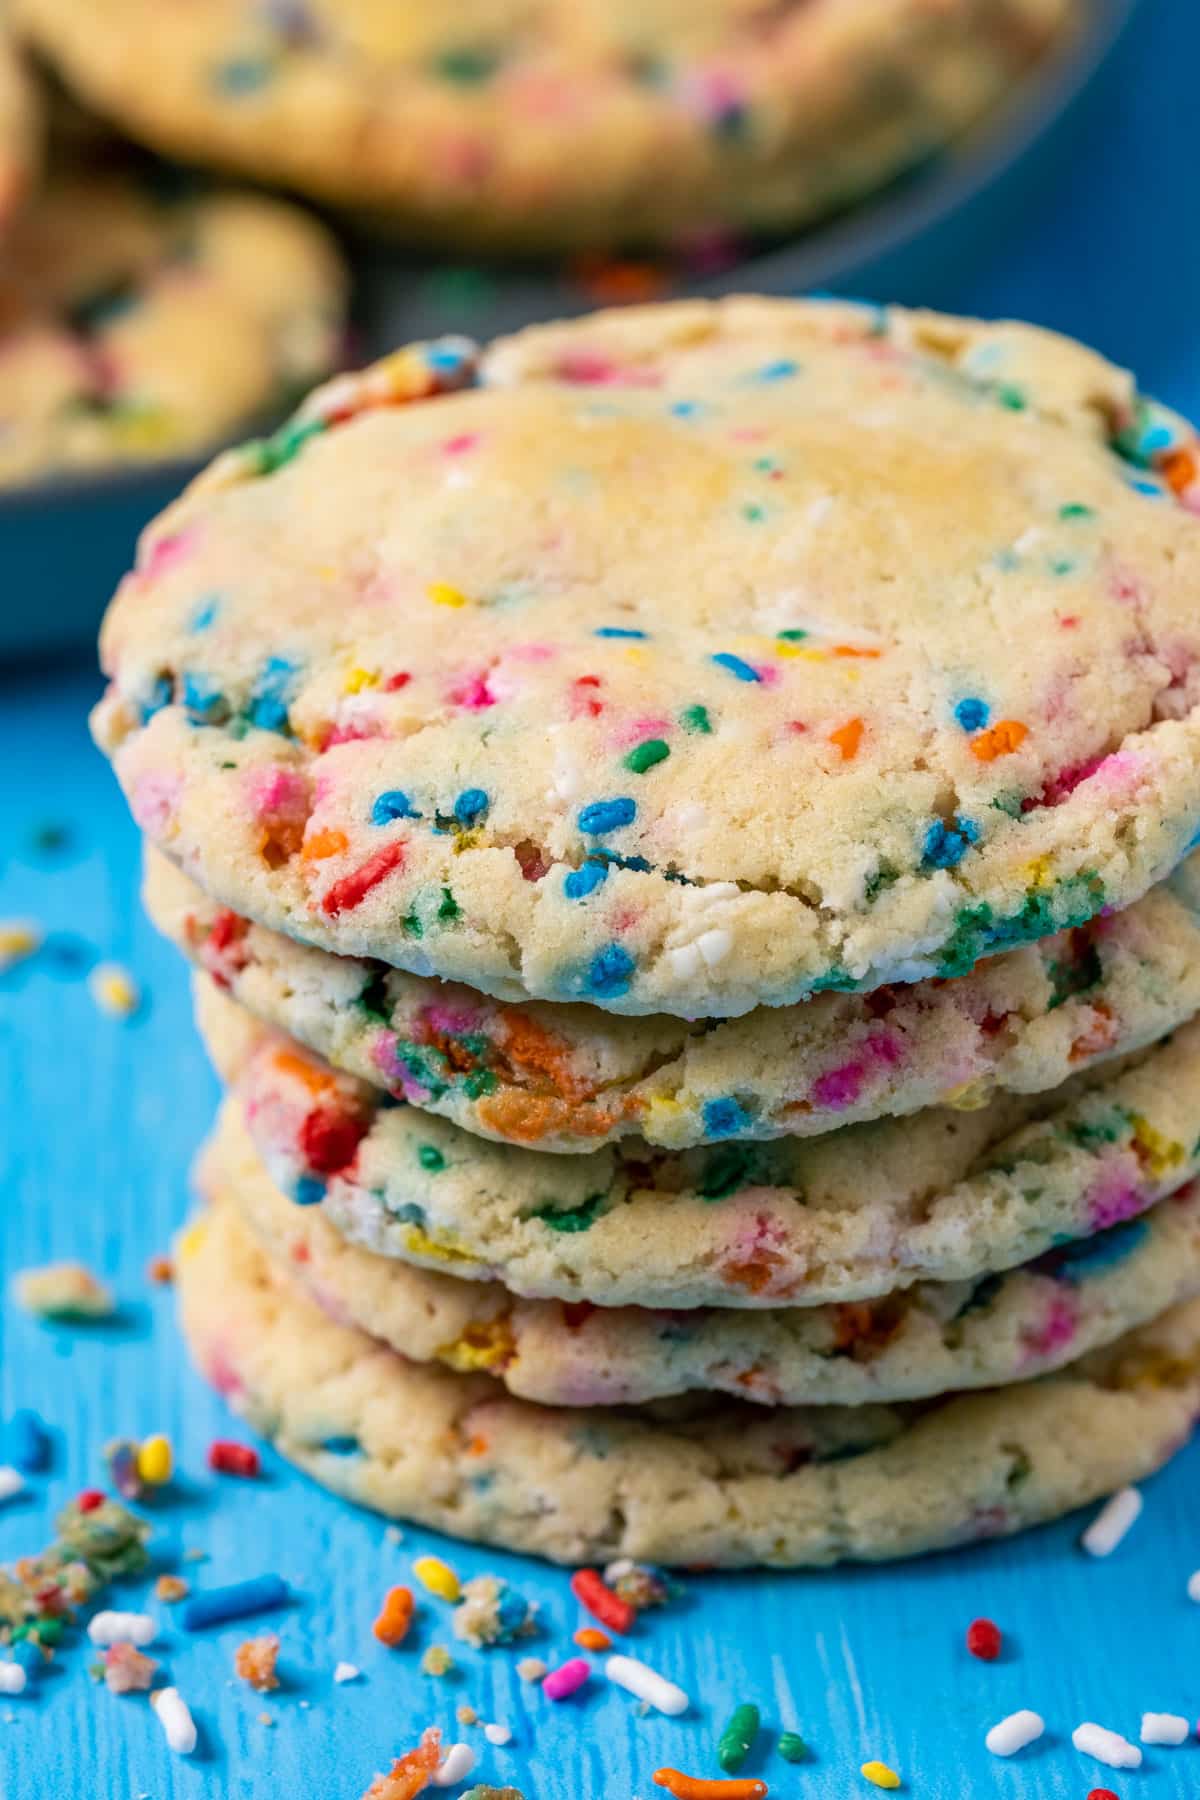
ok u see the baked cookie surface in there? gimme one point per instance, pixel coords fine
(536, 125)
(933, 1339)
(855, 1215)
(721, 1486)
(21, 128)
(569, 1078)
(138, 325)
(679, 660)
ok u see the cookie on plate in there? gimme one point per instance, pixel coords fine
(679, 660)
(569, 1078)
(934, 1338)
(139, 323)
(854, 1215)
(557, 122)
(715, 1484)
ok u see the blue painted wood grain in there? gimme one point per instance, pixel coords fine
(98, 1124)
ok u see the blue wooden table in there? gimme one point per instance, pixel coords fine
(98, 1124)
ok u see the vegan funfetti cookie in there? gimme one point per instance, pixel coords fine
(556, 122)
(933, 1339)
(679, 660)
(857, 1214)
(715, 1484)
(570, 1078)
(137, 326)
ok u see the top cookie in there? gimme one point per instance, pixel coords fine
(682, 659)
(553, 122)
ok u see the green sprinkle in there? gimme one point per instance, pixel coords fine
(1012, 397)
(695, 718)
(276, 452)
(644, 756)
(579, 1218)
(1074, 510)
(733, 1745)
(792, 1747)
(374, 999)
(478, 1083)
(755, 513)
(793, 635)
(449, 907)
(467, 65)
(411, 925)
(431, 1158)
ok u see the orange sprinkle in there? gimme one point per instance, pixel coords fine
(853, 650)
(1002, 739)
(848, 737)
(590, 1637)
(160, 1270)
(699, 1787)
(395, 1617)
(616, 283)
(297, 1065)
(324, 843)
(411, 1774)
(1180, 469)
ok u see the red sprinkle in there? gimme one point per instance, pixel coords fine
(329, 1140)
(984, 1640)
(228, 1458)
(1102, 1794)
(89, 1500)
(598, 1598)
(353, 889)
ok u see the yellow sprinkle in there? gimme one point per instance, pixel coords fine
(481, 1346)
(114, 990)
(442, 594)
(19, 938)
(155, 1461)
(1162, 1152)
(358, 679)
(971, 1096)
(421, 1244)
(437, 1660)
(1037, 873)
(438, 1577)
(189, 1242)
(880, 1775)
(64, 1291)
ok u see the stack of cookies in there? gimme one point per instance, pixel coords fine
(683, 823)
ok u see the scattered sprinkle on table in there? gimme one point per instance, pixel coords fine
(12, 1482)
(226, 1458)
(19, 939)
(217, 1606)
(498, 1734)
(1164, 1728)
(155, 1461)
(395, 1617)
(13, 1679)
(171, 1711)
(1106, 1746)
(792, 1747)
(984, 1639)
(590, 1637)
(27, 1442)
(1101, 1794)
(455, 1766)
(879, 1775)
(645, 1683)
(114, 990)
(64, 1290)
(741, 1729)
(593, 1593)
(1112, 1522)
(699, 1787)
(121, 1628)
(437, 1577)
(1014, 1733)
(1193, 1587)
(566, 1680)
(346, 1671)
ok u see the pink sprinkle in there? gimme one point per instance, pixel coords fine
(589, 368)
(839, 1087)
(165, 552)
(153, 801)
(1114, 1199)
(634, 730)
(444, 1015)
(1056, 1330)
(275, 793)
(566, 1680)
(458, 446)
(473, 694)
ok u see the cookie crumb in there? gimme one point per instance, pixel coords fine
(114, 990)
(255, 1661)
(64, 1290)
(127, 1671)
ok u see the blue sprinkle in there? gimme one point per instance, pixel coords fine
(27, 1653)
(618, 631)
(237, 1601)
(1153, 488)
(244, 75)
(204, 614)
(585, 880)
(972, 714)
(342, 1446)
(270, 694)
(946, 845)
(446, 355)
(606, 815)
(611, 971)
(393, 804)
(201, 696)
(783, 370)
(685, 409)
(471, 806)
(743, 670)
(724, 1117)
(161, 694)
(308, 1191)
(1090, 1256)
(27, 1442)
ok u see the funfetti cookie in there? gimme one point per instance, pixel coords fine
(932, 1339)
(569, 1078)
(679, 660)
(138, 324)
(711, 1484)
(555, 123)
(854, 1215)
(20, 129)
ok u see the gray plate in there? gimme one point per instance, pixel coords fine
(64, 544)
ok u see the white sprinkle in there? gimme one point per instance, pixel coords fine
(498, 1734)
(455, 1766)
(1108, 1747)
(121, 1628)
(714, 946)
(178, 1725)
(1193, 1587)
(12, 1483)
(1012, 1734)
(685, 962)
(346, 1672)
(616, 1571)
(13, 1678)
(1164, 1728)
(645, 1683)
(1112, 1522)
